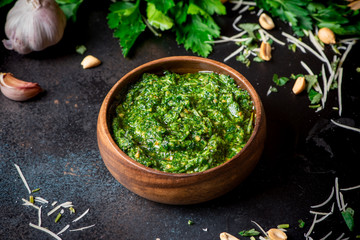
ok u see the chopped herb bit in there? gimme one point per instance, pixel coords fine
(72, 210)
(258, 59)
(190, 222)
(292, 47)
(31, 199)
(358, 69)
(357, 236)
(271, 89)
(294, 77)
(248, 233)
(348, 216)
(80, 49)
(315, 106)
(35, 190)
(301, 223)
(250, 28)
(314, 96)
(243, 59)
(311, 80)
(283, 226)
(58, 217)
(280, 81)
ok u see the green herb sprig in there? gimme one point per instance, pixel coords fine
(305, 14)
(191, 20)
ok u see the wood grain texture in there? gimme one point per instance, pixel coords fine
(170, 188)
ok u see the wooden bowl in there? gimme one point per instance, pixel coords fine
(182, 188)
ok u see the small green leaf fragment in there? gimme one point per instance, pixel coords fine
(72, 210)
(280, 81)
(314, 96)
(258, 59)
(312, 80)
(348, 216)
(31, 199)
(58, 217)
(190, 222)
(301, 223)
(292, 47)
(358, 69)
(283, 226)
(35, 190)
(80, 49)
(248, 233)
(314, 106)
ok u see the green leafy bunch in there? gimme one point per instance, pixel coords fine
(69, 7)
(191, 20)
(304, 14)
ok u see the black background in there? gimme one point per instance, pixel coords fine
(53, 139)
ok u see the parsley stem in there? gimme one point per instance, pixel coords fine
(283, 226)
(150, 27)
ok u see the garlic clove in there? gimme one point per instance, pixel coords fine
(326, 35)
(16, 89)
(90, 62)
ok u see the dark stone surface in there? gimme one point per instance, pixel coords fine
(53, 139)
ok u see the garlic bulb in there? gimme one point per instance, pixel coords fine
(16, 89)
(33, 25)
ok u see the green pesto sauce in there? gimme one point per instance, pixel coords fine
(183, 123)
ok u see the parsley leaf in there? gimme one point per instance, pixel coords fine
(5, 2)
(196, 32)
(250, 28)
(191, 20)
(348, 216)
(304, 14)
(280, 81)
(162, 5)
(312, 80)
(70, 7)
(249, 233)
(158, 19)
(314, 96)
(125, 18)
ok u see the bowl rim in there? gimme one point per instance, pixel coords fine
(108, 100)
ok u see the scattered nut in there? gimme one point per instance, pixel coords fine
(90, 62)
(299, 85)
(326, 36)
(355, 5)
(226, 236)
(265, 51)
(276, 234)
(266, 21)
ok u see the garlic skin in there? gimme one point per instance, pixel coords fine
(16, 89)
(33, 25)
